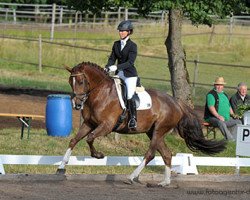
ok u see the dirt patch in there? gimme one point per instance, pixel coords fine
(26, 101)
(31, 101)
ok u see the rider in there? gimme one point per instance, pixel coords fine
(125, 52)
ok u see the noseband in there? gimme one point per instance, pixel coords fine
(82, 96)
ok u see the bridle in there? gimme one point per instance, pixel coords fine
(82, 97)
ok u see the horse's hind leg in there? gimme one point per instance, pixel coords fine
(150, 154)
(167, 157)
(83, 131)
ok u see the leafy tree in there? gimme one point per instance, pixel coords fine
(198, 11)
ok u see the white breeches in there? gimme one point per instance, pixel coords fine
(130, 83)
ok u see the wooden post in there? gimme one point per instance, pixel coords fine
(94, 20)
(14, 16)
(196, 62)
(40, 54)
(106, 19)
(53, 22)
(212, 35)
(119, 14)
(76, 20)
(6, 14)
(231, 28)
(61, 15)
(163, 17)
(126, 14)
(36, 13)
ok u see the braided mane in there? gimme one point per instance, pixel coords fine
(93, 65)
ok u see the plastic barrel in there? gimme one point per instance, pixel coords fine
(58, 115)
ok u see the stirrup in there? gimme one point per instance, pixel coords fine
(132, 123)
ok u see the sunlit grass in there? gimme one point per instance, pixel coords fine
(128, 145)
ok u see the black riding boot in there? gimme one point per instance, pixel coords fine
(132, 114)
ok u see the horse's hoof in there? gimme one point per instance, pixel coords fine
(153, 185)
(133, 181)
(61, 171)
(128, 182)
(98, 155)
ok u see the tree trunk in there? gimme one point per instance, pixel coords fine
(177, 59)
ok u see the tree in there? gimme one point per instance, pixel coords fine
(199, 12)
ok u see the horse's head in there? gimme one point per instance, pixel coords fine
(80, 87)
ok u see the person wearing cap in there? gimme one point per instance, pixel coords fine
(218, 110)
(240, 97)
(124, 52)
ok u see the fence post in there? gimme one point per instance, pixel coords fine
(40, 54)
(53, 22)
(212, 35)
(61, 15)
(231, 28)
(163, 17)
(76, 20)
(196, 62)
(94, 20)
(106, 19)
(126, 14)
(119, 14)
(6, 14)
(14, 16)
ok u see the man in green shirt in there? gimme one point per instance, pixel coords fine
(218, 109)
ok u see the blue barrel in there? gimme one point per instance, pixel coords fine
(58, 115)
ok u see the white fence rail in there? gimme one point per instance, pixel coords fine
(182, 163)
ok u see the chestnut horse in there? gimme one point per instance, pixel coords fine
(95, 94)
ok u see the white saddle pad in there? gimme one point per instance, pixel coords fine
(145, 99)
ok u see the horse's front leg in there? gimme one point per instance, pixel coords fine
(82, 132)
(101, 130)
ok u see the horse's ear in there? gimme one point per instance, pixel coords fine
(68, 68)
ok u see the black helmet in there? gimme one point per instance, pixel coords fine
(126, 26)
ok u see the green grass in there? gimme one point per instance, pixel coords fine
(128, 145)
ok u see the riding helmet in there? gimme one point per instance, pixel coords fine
(126, 26)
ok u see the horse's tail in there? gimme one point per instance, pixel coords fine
(190, 129)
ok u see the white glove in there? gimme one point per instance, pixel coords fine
(112, 68)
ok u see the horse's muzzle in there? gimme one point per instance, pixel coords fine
(77, 105)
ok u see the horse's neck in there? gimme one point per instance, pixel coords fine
(96, 77)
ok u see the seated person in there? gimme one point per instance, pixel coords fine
(218, 109)
(240, 98)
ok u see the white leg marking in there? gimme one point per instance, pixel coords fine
(137, 171)
(65, 159)
(167, 176)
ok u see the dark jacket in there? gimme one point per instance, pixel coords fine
(236, 101)
(125, 58)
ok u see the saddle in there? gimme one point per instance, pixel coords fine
(141, 96)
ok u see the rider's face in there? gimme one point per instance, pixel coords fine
(123, 34)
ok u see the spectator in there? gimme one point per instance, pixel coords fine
(218, 109)
(240, 97)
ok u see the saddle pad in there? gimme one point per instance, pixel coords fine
(144, 97)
